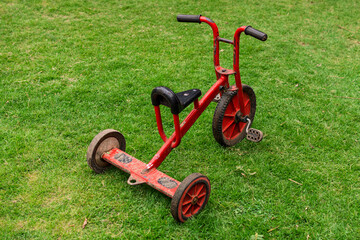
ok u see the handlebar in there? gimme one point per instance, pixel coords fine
(189, 18)
(255, 33)
(198, 19)
(247, 29)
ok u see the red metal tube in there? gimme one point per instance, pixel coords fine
(236, 67)
(216, 40)
(177, 131)
(159, 123)
(187, 123)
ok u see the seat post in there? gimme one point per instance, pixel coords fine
(177, 131)
(159, 123)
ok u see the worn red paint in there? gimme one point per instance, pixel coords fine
(138, 172)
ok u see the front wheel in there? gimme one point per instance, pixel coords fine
(228, 130)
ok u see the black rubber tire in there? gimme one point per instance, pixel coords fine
(102, 143)
(218, 118)
(196, 185)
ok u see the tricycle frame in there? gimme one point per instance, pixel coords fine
(221, 84)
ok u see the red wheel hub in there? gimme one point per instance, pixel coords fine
(231, 125)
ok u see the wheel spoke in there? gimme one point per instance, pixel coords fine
(193, 208)
(201, 195)
(232, 130)
(242, 126)
(195, 190)
(199, 190)
(230, 115)
(246, 103)
(187, 202)
(227, 126)
(198, 204)
(236, 130)
(235, 103)
(230, 109)
(186, 209)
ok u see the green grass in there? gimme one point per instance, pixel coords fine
(70, 69)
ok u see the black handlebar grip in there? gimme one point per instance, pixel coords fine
(189, 18)
(255, 33)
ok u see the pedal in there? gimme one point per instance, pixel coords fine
(254, 135)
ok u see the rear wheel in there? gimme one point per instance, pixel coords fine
(191, 197)
(102, 143)
(228, 130)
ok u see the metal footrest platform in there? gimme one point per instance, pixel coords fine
(140, 174)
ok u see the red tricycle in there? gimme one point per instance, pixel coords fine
(233, 116)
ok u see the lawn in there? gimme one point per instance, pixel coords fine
(70, 69)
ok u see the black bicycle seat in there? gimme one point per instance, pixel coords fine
(175, 101)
